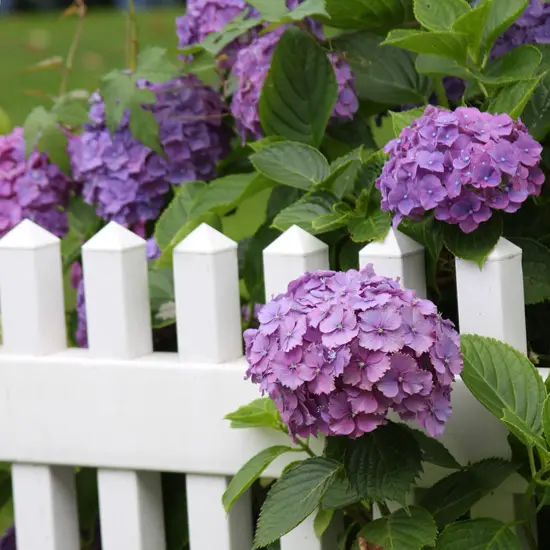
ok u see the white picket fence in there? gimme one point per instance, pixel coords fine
(133, 413)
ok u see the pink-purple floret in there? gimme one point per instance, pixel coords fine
(32, 188)
(339, 350)
(462, 165)
(127, 181)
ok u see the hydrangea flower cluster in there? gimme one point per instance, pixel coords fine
(251, 70)
(532, 27)
(462, 165)
(8, 541)
(124, 179)
(77, 282)
(32, 188)
(338, 350)
(204, 17)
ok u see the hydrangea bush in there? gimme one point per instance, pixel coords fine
(340, 118)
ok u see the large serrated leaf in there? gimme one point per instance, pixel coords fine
(433, 451)
(383, 74)
(293, 498)
(260, 413)
(454, 495)
(300, 90)
(383, 465)
(439, 15)
(504, 381)
(536, 270)
(405, 529)
(293, 164)
(502, 14)
(478, 534)
(250, 472)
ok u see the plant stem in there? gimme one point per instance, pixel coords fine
(441, 93)
(81, 12)
(132, 36)
(528, 513)
(532, 465)
(305, 447)
(384, 509)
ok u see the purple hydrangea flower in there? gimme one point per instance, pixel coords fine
(463, 165)
(124, 179)
(32, 188)
(77, 282)
(338, 351)
(532, 27)
(9, 541)
(251, 68)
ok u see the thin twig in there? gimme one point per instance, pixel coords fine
(132, 36)
(81, 12)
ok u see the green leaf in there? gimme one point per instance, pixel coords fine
(88, 499)
(478, 534)
(382, 465)
(439, 16)
(70, 112)
(449, 44)
(263, 143)
(428, 233)
(36, 122)
(53, 143)
(514, 98)
(475, 246)
(322, 521)
(505, 382)
(433, 451)
(145, 128)
(308, 8)
(546, 418)
(502, 14)
(536, 114)
(518, 64)
(152, 65)
(300, 90)
(339, 494)
(260, 413)
(205, 67)
(410, 529)
(403, 119)
(177, 213)
(293, 498)
(162, 296)
(368, 14)
(536, 270)
(433, 65)
(374, 227)
(117, 90)
(455, 494)
(250, 472)
(472, 24)
(305, 211)
(293, 164)
(383, 74)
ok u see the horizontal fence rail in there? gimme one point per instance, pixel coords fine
(132, 413)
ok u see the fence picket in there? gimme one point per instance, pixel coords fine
(119, 326)
(33, 323)
(491, 303)
(397, 256)
(209, 526)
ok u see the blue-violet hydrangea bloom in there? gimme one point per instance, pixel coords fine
(339, 350)
(462, 165)
(128, 182)
(31, 188)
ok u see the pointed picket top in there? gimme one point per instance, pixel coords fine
(114, 237)
(205, 240)
(395, 245)
(295, 242)
(28, 235)
(504, 250)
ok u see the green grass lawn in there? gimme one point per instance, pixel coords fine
(28, 39)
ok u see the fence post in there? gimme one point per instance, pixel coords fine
(206, 280)
(491, 303)
(119, 327)
(33, 323)
(397, 256)
(294, 253)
